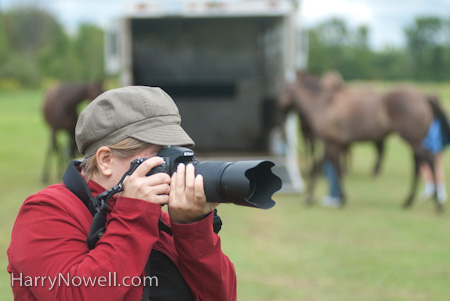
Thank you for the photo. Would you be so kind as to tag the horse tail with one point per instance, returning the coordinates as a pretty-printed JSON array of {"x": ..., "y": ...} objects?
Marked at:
[
  {"x": 439, "y": 113},
  {"x": 434, "y": 102}
]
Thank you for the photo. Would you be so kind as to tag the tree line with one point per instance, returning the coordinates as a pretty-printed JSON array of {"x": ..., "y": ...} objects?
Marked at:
[
  {"x": 425, "y": 57},
  {"x": 35, "y": 47}
]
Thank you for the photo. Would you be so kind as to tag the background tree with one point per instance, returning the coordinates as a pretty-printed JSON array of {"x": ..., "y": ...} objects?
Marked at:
[
  {"x": 426, "y": 39},
  {"x": 4, "y": 42},
  {"x": 333, "y": 45},
  {"x": 327, "y": 44},
  {"x": 35, "y": 46},
  {"x": 26, "y": 30},
  {"x": 426, "y": 55},
  {"x": 88, "y": 48},
  {"x": 389, "y": 64},
  {"x": 358, "y": 58}
]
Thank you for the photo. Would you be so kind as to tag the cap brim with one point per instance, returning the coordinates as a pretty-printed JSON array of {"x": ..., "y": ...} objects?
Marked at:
[{"x": 165, "y": 135}]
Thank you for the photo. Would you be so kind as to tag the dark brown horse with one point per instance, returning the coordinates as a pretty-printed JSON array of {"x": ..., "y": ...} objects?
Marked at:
[
  {"x": 60, "y": 113},
  {"x": 340, "y": 118}
]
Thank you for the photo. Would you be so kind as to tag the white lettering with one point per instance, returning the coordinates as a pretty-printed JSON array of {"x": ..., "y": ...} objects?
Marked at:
[
  {"x": 125, "y": 283},
  {"x": 102, "y": 281},
  {"x": 13, "y": 279},
  {"x": 150, "y": 280},
  {"x": 90, "y": 281},
  {"x": 138, "y": 283},
  {"x": 52, "y": 283},
  {"x": 42, "y": 280},
  {"x": 65, "y": 280},
  {"x": 76, "y": 281},
  {"x": 28, "y": 281}
]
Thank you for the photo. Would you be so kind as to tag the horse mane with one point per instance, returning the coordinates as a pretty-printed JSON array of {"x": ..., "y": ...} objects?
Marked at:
[{"x": 332, "y": 81}]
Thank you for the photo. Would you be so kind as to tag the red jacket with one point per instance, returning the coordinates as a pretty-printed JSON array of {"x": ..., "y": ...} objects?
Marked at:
[{"x": 48, "y": 250}]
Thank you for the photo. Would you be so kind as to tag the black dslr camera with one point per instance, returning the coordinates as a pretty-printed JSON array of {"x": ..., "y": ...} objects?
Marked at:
[{"x": 245, "y": 183}]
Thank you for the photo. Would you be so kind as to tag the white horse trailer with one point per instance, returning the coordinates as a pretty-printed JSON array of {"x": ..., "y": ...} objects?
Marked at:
[{"x": 224, "y": 63}]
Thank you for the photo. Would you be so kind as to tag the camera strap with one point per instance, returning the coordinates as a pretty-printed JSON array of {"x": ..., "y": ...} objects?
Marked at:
[
  {"x": 75, "y": 182},
  {"x": 98, "y": 206}
]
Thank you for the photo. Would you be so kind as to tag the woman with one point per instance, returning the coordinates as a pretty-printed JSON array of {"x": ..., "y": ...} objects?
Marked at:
[{"x": 48, "y": 255}]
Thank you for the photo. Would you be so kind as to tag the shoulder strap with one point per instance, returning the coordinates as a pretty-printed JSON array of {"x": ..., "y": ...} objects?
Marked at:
[{"x": 75, "y": 182}]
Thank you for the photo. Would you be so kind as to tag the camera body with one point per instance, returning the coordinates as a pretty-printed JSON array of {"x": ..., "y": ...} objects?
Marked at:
[
  {"x": 246, "y": 183},
  {"x": 172, "y": 157}
]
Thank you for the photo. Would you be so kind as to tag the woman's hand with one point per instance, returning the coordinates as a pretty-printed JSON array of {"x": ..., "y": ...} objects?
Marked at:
[
  {"x": 154, "y": 188},
  {"x": 187, "y": 200}
]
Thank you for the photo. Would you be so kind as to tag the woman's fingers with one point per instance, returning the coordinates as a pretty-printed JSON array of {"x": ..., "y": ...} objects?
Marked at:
[
  {"x": 147, "y": 165},
  {"x": 187, "y": 201},
  {"x": 199, "y": 193},
  {"x": 180, "y": 177},
  {"x": 154, "y": 188},
  {"x": 190, "y": 180}
]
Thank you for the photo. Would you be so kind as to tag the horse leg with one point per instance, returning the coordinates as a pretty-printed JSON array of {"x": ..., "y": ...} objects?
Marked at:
[
  {"x": 380, "y": 151},
  {"x": 72, "y": 147},
  {"x": 71, "y": 131},
  {"x": 422, "y": 156},
  {"x": 430, "y": 160},
  {"x": 334, "y": 154},
  {"x": 63, "y": 153},
  {"x": 52, "y": 147},
  {"x": 409, "y": 200},
  {"x": 312, "y": 179},
  {"x": 345, "y": 159},
  {"x": 45, "y": 170}
]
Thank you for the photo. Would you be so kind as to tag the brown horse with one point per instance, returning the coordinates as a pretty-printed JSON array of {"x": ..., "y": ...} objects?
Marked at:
[
  {"x": 342, "y": 117},
  {"x": 60, "y": 113},
  {"x": 330, "y": 83}
]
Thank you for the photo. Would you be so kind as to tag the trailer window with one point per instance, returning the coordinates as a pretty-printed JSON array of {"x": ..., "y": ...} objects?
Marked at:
[{"x": 196, "y": 57}]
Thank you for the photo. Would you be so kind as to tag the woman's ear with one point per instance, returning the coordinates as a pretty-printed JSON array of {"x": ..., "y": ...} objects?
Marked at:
[{"x": 104, "y": 161}]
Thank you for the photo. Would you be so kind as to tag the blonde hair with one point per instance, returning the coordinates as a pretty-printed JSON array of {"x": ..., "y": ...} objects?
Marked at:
[{"x": 122, "y": 149}]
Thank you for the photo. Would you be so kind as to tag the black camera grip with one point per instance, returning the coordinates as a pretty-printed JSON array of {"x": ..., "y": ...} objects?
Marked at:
[{"x": 160, "y": 168}]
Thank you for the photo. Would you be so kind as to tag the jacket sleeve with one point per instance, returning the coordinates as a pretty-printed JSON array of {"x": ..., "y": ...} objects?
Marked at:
[
  {"x": 49, "y": 242},
  {"x": 209, "y": 273}
]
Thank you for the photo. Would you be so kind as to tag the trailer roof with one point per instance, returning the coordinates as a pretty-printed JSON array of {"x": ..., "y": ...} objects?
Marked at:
[{"x": 202, "y": 8}]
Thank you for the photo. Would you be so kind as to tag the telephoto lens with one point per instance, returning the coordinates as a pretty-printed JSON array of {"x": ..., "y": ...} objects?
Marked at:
[{"x": 246, "y": 183}]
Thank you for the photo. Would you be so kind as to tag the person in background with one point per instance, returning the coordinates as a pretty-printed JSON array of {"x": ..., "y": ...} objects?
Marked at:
[
  {"x": 334, "y": 198},
  {"x": 438, "y": 137}
]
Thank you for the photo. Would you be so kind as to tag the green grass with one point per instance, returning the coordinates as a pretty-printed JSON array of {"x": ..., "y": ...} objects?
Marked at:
[{"x": 370, "y": 250}]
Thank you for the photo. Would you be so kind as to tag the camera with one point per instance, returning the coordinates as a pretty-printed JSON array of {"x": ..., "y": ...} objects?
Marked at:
[{"x": 246, "y": 183}]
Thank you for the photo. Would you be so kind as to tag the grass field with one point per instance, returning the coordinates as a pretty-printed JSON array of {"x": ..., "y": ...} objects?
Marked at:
[{"x": 370, "y": 250}]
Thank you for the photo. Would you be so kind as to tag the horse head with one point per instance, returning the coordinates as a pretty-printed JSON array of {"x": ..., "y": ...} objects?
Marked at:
[
  {"x": 94, "y": 89},
  {"x": 308, "y": 81}
]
